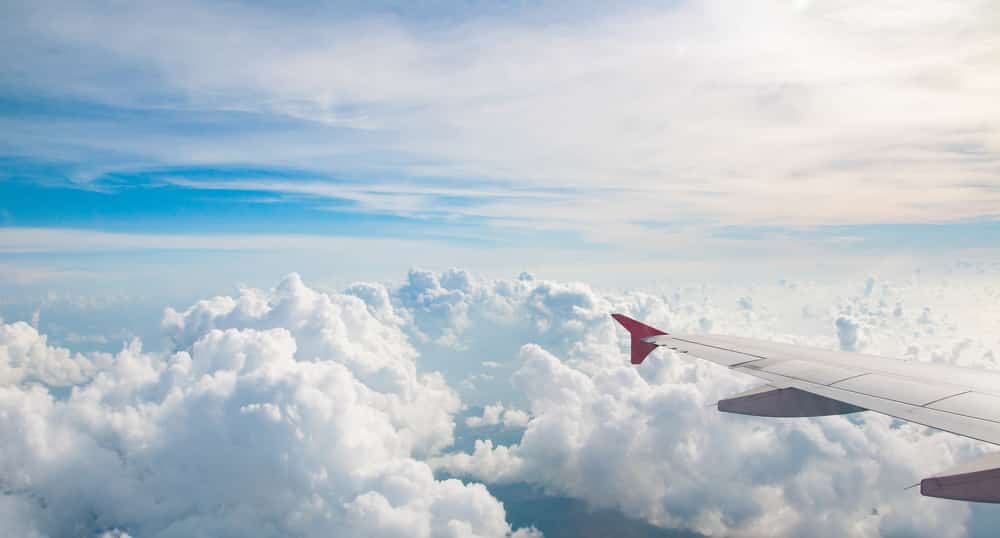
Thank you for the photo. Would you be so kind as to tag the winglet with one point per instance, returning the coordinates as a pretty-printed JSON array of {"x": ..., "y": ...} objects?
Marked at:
[{"x": 639, "y": 331}]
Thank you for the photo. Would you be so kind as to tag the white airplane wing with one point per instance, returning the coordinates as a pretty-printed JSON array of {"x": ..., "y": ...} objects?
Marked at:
[{"x": 806, "y": 382}]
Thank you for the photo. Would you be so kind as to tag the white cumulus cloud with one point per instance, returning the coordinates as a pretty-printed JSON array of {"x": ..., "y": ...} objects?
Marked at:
[
  {"x": 495, "y": 414},
  {"x": 648, "y": 441},
  {"x": 282, "y": 412},
  {"x": 298, "y": 411},
  {"x": 25, "y": 355}
]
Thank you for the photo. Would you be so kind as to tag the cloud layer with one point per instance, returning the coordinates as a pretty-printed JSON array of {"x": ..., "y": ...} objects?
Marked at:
[
  {"x": 286, "y": 412},
  {"x": 648, "y": 441},
  {"x": 298, "y": 411}
]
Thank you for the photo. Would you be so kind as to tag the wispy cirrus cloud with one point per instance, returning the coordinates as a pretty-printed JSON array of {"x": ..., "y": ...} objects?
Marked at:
[{"x": 783, "y": 114}]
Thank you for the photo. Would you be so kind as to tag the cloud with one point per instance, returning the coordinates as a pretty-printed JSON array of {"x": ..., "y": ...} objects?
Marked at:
[
  {"x": 491, "y": 416},
  {"x": 648, "y": 442},
  {"x": 26, "y": 356},
  {"x": 495, "y": 414},
  {"x": 26, "y": 275},
  {"x": 515, "y": 418},
  {"x": 847, "y": 333},
  {"x": 284, "y": 411},
  {"x": 344, "y": 405},
  {"x": 655, "y": 451},
  {"x": 631, "y": 129}
]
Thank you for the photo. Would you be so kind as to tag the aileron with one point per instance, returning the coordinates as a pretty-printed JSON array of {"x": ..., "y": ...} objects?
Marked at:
[
  {"x": 899, "y": 389},
  {"x": 971, "y": 404}
]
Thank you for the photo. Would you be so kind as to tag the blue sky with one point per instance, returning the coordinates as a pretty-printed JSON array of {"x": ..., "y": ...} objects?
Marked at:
[
  {"x": 522, "y": 124},
  {"x": 653, "y": 142}
]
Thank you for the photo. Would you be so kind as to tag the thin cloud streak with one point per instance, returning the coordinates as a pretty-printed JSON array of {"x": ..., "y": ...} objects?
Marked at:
[{"x": 794, "y": 114}]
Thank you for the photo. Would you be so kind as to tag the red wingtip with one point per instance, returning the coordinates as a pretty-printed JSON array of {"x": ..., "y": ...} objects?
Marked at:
[{"x": 638, "y": 330}]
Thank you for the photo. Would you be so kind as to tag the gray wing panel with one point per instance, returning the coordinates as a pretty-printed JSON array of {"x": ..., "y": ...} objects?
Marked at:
[
  {"x": 971, "y": 404},
  {"x": 972, "y": 427},
  {"x": 982, "y": 381},
  {"x": 955, "y": 400},
  {"x": 900, "y": 389},
  {"x": 815, "y": 372},
  {"x": 718, "y": 355}
]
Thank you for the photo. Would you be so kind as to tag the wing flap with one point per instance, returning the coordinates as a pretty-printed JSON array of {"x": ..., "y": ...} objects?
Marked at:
[
  {"x": 971, "y": 404},
  {"x": 814, "y": 372},
  {"x": 899, "y": 389}
]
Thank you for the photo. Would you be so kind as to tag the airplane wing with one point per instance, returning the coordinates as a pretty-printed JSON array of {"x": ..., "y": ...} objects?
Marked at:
[{"x": 804, "y": 382}]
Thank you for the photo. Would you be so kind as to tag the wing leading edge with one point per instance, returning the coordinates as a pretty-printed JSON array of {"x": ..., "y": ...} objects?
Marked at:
[{"x": 803, "y": 381}]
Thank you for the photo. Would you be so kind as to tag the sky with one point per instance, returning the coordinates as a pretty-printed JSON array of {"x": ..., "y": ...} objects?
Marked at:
[{"x": 404, "y": 224}]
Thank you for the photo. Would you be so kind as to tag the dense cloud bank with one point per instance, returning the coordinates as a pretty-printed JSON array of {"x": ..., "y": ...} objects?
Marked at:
[
  {"x": 304, "y": 412},
  {"x": 283, "y": 412},
  {"x": 647, "y": 441}
]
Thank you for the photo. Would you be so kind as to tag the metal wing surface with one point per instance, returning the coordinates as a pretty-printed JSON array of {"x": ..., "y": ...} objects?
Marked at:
[{"x": 804, "y": 381}]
